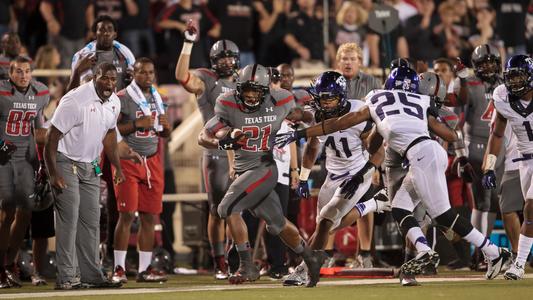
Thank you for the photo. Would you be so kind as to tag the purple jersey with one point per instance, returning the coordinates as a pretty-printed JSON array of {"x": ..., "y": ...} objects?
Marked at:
[
  {"x": 18, "y": 112},
  {"x": 261, "y": 126}
]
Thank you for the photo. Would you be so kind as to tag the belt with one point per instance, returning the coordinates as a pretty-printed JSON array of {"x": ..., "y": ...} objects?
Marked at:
[
  {"x": 335, "y": 176},
  {"x": 414, "y": 142},
  {"x": 525, "y": 156}
]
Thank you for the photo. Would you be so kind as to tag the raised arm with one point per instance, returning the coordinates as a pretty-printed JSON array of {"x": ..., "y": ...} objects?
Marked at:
[{"x": 190, "y": 82}]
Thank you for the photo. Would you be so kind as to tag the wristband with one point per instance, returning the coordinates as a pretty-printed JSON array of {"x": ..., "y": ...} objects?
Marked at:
[
  {"x": 184, "y": 82},
  {"x": 187, "y": 48},
  {"x": 490, "y": 162},
  {"x": 304, "y": 173},
  {"x": 461, "y": 152}
]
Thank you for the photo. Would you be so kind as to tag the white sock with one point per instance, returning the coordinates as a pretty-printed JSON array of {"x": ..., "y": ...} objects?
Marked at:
[
  {"x": 416, "y": 236},
  {"x": 145, "y": 258},
  {"x": 524, "y": 246},
  {"x": 489, "y": 249},
  {"x": 366, "y": 207},
  {"x": 120, "y": 258},
  {"x": 475, "y": 219}
]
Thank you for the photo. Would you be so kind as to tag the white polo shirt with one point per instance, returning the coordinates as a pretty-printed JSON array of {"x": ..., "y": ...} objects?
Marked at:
[{"x": 84, "y": 121}]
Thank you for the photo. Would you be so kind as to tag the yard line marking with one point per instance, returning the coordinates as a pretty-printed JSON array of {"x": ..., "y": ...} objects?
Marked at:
[{"x": 200, "y": 288}]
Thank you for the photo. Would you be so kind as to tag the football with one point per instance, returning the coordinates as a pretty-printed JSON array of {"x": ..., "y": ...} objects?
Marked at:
[{"x": 223, "y": 132}]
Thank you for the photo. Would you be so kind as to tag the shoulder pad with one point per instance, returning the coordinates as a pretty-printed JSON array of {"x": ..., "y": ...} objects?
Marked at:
[
  {"x": 281, "y": 97},
  {"x": 207, "y": 72},
  {"x": 500, "y": 94},
  {"x": 228, "y": 99}
]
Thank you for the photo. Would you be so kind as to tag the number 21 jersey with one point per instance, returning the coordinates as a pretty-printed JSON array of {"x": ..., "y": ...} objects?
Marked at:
[{"x": 400, "y": 116}]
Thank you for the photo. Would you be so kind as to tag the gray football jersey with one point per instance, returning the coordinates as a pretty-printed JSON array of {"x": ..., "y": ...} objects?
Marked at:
[
  {"x": 17, "y": 113},
  {"x": 479, "y": 110},
  {"x": 261, "y": 126},
  {"x": 143, "y": 142},
  {"x": 214, "y": 87},
  {"x": 117, "y": 60}
]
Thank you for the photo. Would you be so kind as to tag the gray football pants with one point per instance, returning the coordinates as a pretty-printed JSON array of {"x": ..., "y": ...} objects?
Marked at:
[{"x": 77, "y": 222}]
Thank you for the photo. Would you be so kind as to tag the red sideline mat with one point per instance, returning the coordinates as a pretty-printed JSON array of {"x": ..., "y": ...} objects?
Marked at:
[{"x": 342, "y": 272}]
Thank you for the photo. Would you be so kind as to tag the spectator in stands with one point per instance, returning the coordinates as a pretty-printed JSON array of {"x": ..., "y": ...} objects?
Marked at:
[
  {"x": 381, "y": 53},
  {"x": 237, "y": 19},
  {"x": 305, "y": 37},
  {"x": 273, "y": 16},
  {"x": 175, "y": 18},
  {"x": 485, "y": 32},
  {"x": 445, "y": 30},
  {"x": 8, "y": 20},
  {"x": 68, "y": 23},
  {"x": 423, "y": 43},
  {"x": 10, "y": 45},
  {"x": 511, "y": 24},
  {"x": 135, "y": 28},
  {"x": 47, "y": 58},
  {"x": 351, "y": 19}
]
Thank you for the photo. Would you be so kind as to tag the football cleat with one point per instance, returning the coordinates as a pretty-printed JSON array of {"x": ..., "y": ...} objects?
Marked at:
[
  {"x": 246, "y": 272},
  {"x": 13, "y": 276},
  {"x": 151, "y": 275},
  {"x": 38, "y": 280},
  {"x": 408, "y": 280},
  {"x": 314, "y": 263},
  {"x": 417, "y": 264},
  {"x": 515, "y": 272},
  {"x": 494, "y": 266},
  {"x": 298, "y": 277},
  {"x": 119, "y": 275}
]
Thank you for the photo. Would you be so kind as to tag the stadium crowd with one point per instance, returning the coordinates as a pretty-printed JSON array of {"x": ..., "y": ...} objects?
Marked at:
[{"x": 101, "y": 133}]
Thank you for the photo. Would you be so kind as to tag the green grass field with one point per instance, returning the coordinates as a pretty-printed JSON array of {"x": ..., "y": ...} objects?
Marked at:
[{"x": 458, "y": 285}]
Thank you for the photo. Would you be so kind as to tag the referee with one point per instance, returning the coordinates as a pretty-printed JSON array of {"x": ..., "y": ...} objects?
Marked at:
[{"x": 82, "y": 125}]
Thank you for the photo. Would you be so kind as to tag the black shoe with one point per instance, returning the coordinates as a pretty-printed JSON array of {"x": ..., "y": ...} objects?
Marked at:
[
  {"x": 314, "y": 263},
  {"x": 107, "y": 284},
  {"x": 421, "y": 261},
  {"x": 246, "y": 272},
  {"x": 13, "y": 276}
]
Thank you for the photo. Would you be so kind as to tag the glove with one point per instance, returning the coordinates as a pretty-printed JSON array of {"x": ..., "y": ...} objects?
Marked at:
[
  {"x": 303, "y": 189},
  {"x": 284, "y": 139},
  {"x": 460, "y": 69},
  {"x": 6, "y": 150},
  {"x": 464, "y": 169},
  {"x": 383, "y": 203},
  {"x": 349, "y": 186},
  {"x": 489, "y": 180},
  {"x": 191, "y": 33},
  {"x": 229, "y": 143}
]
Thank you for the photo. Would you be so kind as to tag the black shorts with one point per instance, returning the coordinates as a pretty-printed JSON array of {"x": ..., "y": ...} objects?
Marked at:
[{"x": 42, "y": 223}]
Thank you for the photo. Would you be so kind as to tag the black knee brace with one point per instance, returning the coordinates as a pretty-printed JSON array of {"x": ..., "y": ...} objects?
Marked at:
[
  {"x": 405, "y": 219},
  {"x": 455, "y": 222}
]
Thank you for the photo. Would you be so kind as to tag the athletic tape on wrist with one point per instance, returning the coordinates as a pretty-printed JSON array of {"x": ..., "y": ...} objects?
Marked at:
[
  {"x": 304, "y": 173},
  {"x": 187, "y": 48},
  {"x": 490, "y": 162}
]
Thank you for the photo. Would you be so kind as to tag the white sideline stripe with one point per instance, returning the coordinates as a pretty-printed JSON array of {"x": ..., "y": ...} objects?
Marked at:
[{"x": 125, "y": 291}]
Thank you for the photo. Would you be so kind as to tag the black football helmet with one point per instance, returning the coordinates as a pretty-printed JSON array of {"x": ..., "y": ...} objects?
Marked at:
[
  {"x": 222, "y": 49},
  {"x": 327, "y": 87},
  {"x": 253, "y": 77},
  {"x": 486, "y": 61},
  {"x": 518, "y": 75}
]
